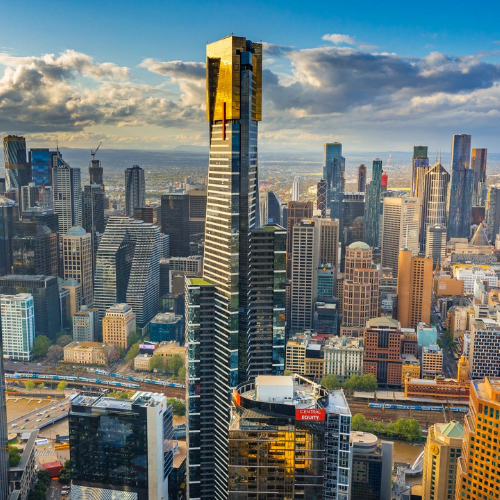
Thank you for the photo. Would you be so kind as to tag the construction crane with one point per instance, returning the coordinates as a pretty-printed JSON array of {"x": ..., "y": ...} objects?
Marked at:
[
  {"x": 94, "y": 151},
  {"x": 388, "y": 161}
]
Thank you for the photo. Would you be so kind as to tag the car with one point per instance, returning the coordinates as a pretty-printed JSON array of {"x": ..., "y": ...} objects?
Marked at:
[
  {"x": 46, "y": 411},
  {"x": 47, "y": 416},
  {"x": 26, "y": 419},
  {"x": 60, "y": 405},
  {"x": 53, "y": 408},
  {"x": 14, "y": 425},
  {"x": 23, "y": 427},
  {"x": 62, "y": 409},
  {"x": 38, "y": 414},
  {"x": 39, "y": 420}
]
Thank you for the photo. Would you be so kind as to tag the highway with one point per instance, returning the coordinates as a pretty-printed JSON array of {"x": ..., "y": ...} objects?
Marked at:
[{"x": 47, "y": 414}]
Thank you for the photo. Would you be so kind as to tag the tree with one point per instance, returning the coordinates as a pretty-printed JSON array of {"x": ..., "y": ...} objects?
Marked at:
[
  {"x": 174, "y": 364},
  {"x": 330, "y": 381},
  {"x": 286, "y": 373},
  {"x": 439, "y": 342},
  {"x": 358, "y": 422},
  {"x": 133, "y": 338},
  {"x": 43, "y": 476},
  {"x": 65, "y": 476},
  {"x": 179, "y": 407},
  {"x": 29, "y": 384},
  {"x": 14, "y": 456},
  {"x": 156, "y": 363},
  {"x": 133, "y": 352},
  {"x": 62, "y": 385},
  {"x": 110, "y": 354},
  {"x": 41, "y": 346},
  {"x": 368, "y": 382},
  {"x": 55, "y": 353},
  {"x": 41, "y": 386},
  {"x": 181, "y": 375},
  {"x": 121, "y": 352},
  {"x": 64, "y": 340}
]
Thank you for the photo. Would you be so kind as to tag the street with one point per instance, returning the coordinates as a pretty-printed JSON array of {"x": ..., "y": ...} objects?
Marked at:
[{"x": 449, "y": 362}]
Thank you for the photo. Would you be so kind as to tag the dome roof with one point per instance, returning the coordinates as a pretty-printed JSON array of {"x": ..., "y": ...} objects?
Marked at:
[
  {"x": 359, "y": 244},
  {"x": 76, "y": 231}
]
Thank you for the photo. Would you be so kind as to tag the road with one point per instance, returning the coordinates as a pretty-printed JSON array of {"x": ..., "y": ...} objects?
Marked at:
[
  {"x": 449, "y": 362},
  {"x": 49, "y": 413}
]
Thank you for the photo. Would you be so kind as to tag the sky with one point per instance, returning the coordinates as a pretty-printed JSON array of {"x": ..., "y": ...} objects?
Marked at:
[{"x": 376, "y": 76}]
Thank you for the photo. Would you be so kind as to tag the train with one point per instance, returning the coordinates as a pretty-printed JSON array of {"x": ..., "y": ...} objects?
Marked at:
[
  {"x": 417, "y": 408},
  {"x": 114, "y": 383}
]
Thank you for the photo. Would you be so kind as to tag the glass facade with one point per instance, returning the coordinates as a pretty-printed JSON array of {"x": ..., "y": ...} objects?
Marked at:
[
  {"x": 372, "y": 206},
  {"x": 135, "y": 189},
  {"x": 273, "y": 208},
  {"x": 6, "y": 234},
  {"x": 42, "y": 161},
  {"x": 175, "y": 222},
  {"x": 4, "y": 457},
  {"x": 17, "y": 169},
  {"x": 334, "y": 174}
]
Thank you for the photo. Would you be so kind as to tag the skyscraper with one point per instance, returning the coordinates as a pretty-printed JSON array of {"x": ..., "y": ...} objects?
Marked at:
[
  {"x": 460, "y": 188},
  {"x": 493, "y": 217},
  {"x": 321, "y": 197},
  {"x": 6, "y": 234},
  {"x": 17, "y": 169},
  {"x": 42, "y": 162},
  {"x": 67, "y": 194},
  {"x": 334, "y": 173},
  {"x": 234, "y": 108},
  {"x": 295, "y": 189},
  {"x": 175, "y": 222},
  {"x": 273, "y": 209},
  {"x": 478, "y": 164},
  {"x": 135, "y": 189},
  {"x": 419, "y": 159},
  {"x": 128, "y": 267},
  {"x": 96, "y": 172},
  {"x": 4, "y": 455},
  {"x": 372, "y": 205},
  {"x": 400, "y": 229},
  {"x": 120, "y": 448},
  {"x": 361, "y": 178},
  {"x": 352, "y": 218},
  {"x": 197, "y": 210},
  {"x": 435, "y": 244},
  {"x": 93, "y": 212},
  {"x": 297, "y": 210}
]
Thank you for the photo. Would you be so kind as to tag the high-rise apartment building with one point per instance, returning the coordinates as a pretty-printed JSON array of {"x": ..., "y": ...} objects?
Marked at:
[
  {"x": 45, "y": 292},
  {"x": 461, "y": 187},
  {"x": 128, "y": 267},
  {"x": 441, "y": 456},
  {"x": 415, "y": 281},
  {"x": 372, "y": 205},
  {"x": 334, "y": 174},
  {"x": 484, "y": 357},
  {"x": 400, "y": 229},
  {"x": 276, "y": 424},
  {"x": 321, "y": 203},
  {"x": 361, "y": 296},
  {"x": 121, "y": 448},
  {"x": 4, "y": 455},
  {"x": 86, "y": 324},
  {"x": 493, "y": 214},
  {"x": 117, "y": 324},
  {"x": 77, "y": 261},
  {"x": 41, "y": 161},
  {"x": 175, "y": 222},
  {"x": 361, "y": 178},
  {"x": 67, "y": 194},
  {"x": 197, "y": 210},
  {"x": 478, "y": 164},
  {"x": 17, "y": 169},
  {"x": 234, "y": 108},
  {"x": 419, "y": 160},
  {"x": 272, "y": 213},
  {"x": 435, "y": 244},
  {"x": 18, "y": 326},
  {"x": 297, "y": 210},
  {"x": 6, "y": 235},
  {"x": 478, "y": 468},
  {"x": 135, "y": 189}
]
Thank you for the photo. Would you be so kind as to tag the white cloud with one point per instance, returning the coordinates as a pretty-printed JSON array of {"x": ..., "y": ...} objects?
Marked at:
[{"x": 338, "y": 39}]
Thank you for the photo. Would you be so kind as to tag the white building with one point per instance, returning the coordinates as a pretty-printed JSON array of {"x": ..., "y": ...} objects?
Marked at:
[
  {"x": 432, "y": 361},
  {"x": 18, "y": 325},
  {"x": 344, "y": 357},
  {"x": 468, "y": 273}
]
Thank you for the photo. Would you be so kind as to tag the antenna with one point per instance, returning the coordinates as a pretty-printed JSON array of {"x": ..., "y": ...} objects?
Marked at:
[
  {"x": 437, "y": 151},
  {"x": 439, "y": 156}
]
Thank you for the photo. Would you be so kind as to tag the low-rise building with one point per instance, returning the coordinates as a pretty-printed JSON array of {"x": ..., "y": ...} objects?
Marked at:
[
  {"x": 426, "y": 335},
  {"x": 469, "y": 273},
  {"x": 168, "y": 349},
  {"x": 141, "y": 362},
  {"x": 86, "y": 353},
  {"x": 432, "y": 361},
  {"x": 343, "y": 357},
  {"x": 410, "y": 367},
  {"x": 167, "y": 327},
  {"x": 457, "y": 320}
]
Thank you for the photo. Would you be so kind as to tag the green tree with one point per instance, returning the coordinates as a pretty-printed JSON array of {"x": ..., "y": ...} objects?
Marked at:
[
  {"x": 40, "y": 346},
  {"x": 181, "y": 375},
  {"x": 331, "y": 381},
  {"x": 29, "y": 384},
  {"x": 179, "y": 407},
  {"x": 64, "y": 340},
  {"x": 14, "y": 456},
  {"x": 133, "y": 338},
  {"x": 44, "y": 477},
  {"x": 65, "y": 476},
  {"x": 286, "y": 373},
  {"x": 156, "y": 363},
  {"x": 133, "y": 352},
  {"x": 62, "y": 385},
  {"x": 368, "y": 383},
  {"x": 121, "y": 352},
  {"x": 41, "y": 386},
  {"x": 174, "y": 364},
  {"x": 358, "y": 423},
  {"x": 439, "y": 342}
]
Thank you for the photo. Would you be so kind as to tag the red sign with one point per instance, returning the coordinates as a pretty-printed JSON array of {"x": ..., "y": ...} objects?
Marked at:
[{"x": 311, "y": 414}]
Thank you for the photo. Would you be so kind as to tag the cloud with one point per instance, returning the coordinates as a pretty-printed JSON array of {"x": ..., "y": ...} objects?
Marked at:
[
  {"x": 176, "y": 69},
  {"x": 338, "y": 39}
]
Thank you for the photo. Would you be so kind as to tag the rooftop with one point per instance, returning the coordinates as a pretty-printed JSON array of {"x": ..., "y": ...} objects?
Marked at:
[
  {"x": 383, "y": 322},
  {"x": 452, "y": 429},
  {"x": 199, "y": 282},
  {"x": 166, "y": 318},
  {"x": 359, "y": 245}
]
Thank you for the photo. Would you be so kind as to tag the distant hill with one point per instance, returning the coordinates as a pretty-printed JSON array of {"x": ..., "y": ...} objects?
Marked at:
[{"x": 186, "y": 148}]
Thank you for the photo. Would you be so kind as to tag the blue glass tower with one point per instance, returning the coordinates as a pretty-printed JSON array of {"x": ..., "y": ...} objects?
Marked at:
[
  {"x": 17, "y": 169},
  {"x": 460, "y": 187},
  {"x": 334, "y": 173},
  {"x": 372, "y": 205},
  {"x": 42, "y": 161}
]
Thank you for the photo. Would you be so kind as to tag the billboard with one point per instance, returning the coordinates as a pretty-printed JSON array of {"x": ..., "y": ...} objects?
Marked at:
[
  {"x": 310, "y": 414},
  {"x": 148, "y": 347}
]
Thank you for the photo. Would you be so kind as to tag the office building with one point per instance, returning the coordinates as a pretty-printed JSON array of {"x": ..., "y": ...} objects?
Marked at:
[
  {"x": 74, "y": 298},
  {"x": 128, "y": 267},
  {"x": 41, "y": 161},
  {"x": 117, "y": 324},
  {"x": 478, "y": 164},
  {"x": 77, "y": 261},
  {"x": 371, "y": 474},
  {"x": 432, "y": 190},
  {"x": 343, "y": 357},
  {"x": 17, "y": 169},
  {"x": 67, "y": 195},
  {"x": 432, "y": 361},
  {"x": 44, "y": 216},
  {"x": 86, "y": 324},
  {"x": 36, "y": 196},
  {"x": 93, "y": 212},
  {"x": 435, "y": 244},
  {"x": 352, "y": 220},
  {"x": 321, "y": 203},
  {"x": 484, "y": 348},
  {"x": 6, "y": 234},
  {"x": 361, "y": 295},
  {"x": 268, "y": 417},
  {"x": 174, "y": 269},
  {"x": 45, "y": 292},
  {"x": 441, "y": 455},
  {"x": 167, "y": 327},
  {"x": 175, "y": 222},
  {"x": 426, "y": 335},
  {"x": 400, "y": 229},
  {"x": 478, "y": 467},
  {"x": 419, "y": 160},
  {"x": 461, "y": 187},
  {"x": 87, "y": 353},
  {"x": 272, "y": 213},
  {"x": 4, "y": 455},
  {"x": 120, "y": 448},
  {"x": 296, "y": 211},
  {"x": 135, "y": 189},
  {"x": 197, "y": 210},
  {"x": 361, "y": 178},
  {"x": 372, "y": 206},
  {"x": 18, "y": 326},
  {"x": 469, "y": 274},
  {"x": 327, "y": 317},
  {"x": 334, "y": 174},
  {"x": 415, "y": 280},
  {"x": 493, "y": 214},
  {"x": 234, "y": 108},
  {"x": 326, "y": 282},
  {"x": 295, "y": 189}
]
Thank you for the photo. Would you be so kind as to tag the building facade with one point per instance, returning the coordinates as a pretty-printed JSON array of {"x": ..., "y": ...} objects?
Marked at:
[
  {"x": 175, "y": 222},
  {"x": 432, "y": 361},
  {"x": 17, "y": 169},
  {"x": 343, "y": 357},
  {"x": 372, "y": 205},
  {"x": 296, "y": 211},
  {"x": 478, "y": 165},
  {"x": 118, "y": 323},
  {"x": 484, "y": 349},
  {"x": 334, "y": 174},
  {"x": 135, "y": 189},
  {"x": 86, "y": 353},
  {"x": 6, "y": 235},
  {"x": 86, "y": 324}
]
